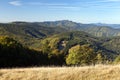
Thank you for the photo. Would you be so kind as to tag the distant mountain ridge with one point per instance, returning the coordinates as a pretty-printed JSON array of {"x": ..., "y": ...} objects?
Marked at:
[
  {"x": 41, "y": 29},
  {"x": 70, "y": 25},
  {"x": 94, "y": 29},
  {"x": 117, "y": 26}
]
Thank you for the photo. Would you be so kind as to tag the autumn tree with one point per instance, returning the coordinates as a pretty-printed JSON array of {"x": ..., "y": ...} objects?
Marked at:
[{"x": 80, "y": 55}]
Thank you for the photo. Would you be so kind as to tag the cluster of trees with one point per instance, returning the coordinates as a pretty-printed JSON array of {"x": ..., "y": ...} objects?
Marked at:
[
  {"x": 105, "y": 50},
  {"x": 78, "y": 48},
  {"x": 13, "y": 54},
  {"x": 83, "y": 55}
]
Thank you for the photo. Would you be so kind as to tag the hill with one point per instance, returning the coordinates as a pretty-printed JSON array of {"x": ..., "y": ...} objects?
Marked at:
[
  {"x": 113, "y": 44},
  {"x": 63, "y": 43},
  {"x": 94, "y": 29},
  {"x": 26, "y": 33},
  {"x": 69, "y": 48},
  {"x": 13, "y": 54},
  {"x": 43, "y": 29},
  {"x": 117, "y": 26},
  {"x": 103, "y": 31}
]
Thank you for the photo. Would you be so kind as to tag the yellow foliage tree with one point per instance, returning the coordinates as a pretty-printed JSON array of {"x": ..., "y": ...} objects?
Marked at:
[{"x": 80, "y": 55}]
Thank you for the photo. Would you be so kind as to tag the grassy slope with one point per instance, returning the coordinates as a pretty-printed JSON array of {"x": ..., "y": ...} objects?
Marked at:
[{"x": 98, "y": 72}]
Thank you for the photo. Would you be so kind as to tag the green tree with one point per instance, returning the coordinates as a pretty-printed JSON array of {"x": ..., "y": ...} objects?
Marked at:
[{"x": 80, "y": 55}]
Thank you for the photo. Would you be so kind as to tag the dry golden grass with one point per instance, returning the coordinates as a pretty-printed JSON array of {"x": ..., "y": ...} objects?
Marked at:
[{"x": 98, "y": 72}]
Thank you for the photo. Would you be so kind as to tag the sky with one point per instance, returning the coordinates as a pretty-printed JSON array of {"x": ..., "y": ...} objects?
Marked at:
[{"x": 84, "y": 11}]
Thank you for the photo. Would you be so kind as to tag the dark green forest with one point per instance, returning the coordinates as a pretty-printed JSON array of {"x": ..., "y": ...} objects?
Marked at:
[{"x": 60, "y": 43}]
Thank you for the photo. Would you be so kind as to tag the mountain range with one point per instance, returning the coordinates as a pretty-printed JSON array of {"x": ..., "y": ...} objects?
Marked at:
[
  {"x": 117, "y": 26},
  {"x": 29, "y": 33},
  {"x": 58, "y": 42},
  {"x": 96, "y": 29}
]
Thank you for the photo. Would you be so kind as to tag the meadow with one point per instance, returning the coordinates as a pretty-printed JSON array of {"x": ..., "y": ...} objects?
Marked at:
[{"x": 98, "y": 72}]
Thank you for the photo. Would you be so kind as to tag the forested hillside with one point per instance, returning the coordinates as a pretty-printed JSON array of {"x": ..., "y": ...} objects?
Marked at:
[
  {"x": 63, "y": 43},
  {"x": 27, "y": 33},
  {"x": 60, "y": 43},
  {"x": 13, "y": 54}
]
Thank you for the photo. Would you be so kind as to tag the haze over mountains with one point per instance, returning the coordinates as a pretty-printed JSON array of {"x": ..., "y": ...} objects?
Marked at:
[{"x": 117, "y": 26}]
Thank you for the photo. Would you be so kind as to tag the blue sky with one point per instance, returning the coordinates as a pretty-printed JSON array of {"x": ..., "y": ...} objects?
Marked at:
[{"x": 84, "y": 11}]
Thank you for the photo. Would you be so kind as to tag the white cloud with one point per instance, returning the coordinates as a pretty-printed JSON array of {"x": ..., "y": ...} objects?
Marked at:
[
  {"x": 15, "y": 3},
  {"x": 55, "y": 5},
  {"x": 48, "y": 4}
]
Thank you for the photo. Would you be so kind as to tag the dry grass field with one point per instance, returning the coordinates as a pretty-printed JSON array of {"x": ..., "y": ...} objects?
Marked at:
[{"x": 98, "y": 72}]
